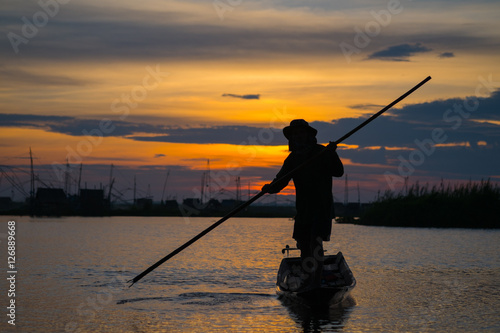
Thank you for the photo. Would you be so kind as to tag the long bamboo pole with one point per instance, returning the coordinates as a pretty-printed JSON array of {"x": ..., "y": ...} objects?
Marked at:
[{"x": 261, "y": 193}]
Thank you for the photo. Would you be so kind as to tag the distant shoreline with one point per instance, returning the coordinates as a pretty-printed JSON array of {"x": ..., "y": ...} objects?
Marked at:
[
  {"x": 272, "y": 212},
  {"x": 252, "y": 211},
  {"x": 174, "y": 209},
  {"x": 472, "y": 205}
]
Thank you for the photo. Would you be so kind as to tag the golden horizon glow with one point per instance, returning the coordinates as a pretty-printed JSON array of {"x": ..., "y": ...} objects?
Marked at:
[{"x": 177, "y": 76}]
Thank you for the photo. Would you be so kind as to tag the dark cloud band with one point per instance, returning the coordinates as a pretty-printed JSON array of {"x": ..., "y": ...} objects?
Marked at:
[
  {"x": 400, "y": 52},
  {"x": 255, "y": 96},
  {"x": 401, "y": 129}
]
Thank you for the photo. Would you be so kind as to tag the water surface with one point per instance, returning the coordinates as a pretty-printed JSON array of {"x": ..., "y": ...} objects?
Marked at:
[{"x": 72, "y": 272}]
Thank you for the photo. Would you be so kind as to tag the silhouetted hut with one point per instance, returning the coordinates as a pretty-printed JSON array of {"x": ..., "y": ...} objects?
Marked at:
[
  {"x": 92, "y": 202},
  {"x": 51, "y": 202},
  {"x": 5, "y": 203}
]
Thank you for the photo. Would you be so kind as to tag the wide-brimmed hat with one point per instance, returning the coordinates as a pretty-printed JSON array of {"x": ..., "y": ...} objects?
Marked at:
[{"x": 298, "y": 124}]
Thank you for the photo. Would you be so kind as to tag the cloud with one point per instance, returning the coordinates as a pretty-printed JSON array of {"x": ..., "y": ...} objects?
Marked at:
[
  {"x": 432, "y": 113},
  {"x": 85, "y": 32},
  {"x": 186, "y": 30},
  {"x": 76, "y": 126},
  {"x": 399, "y": 52},
  {"x": 447, "y": 55},
  {"x": 397, "y": 128},
  {"x": 159, "y": 155},
  {"x": 31, "y": 120},
  {"x": 401, "y": 127},
  {"x": 462, "y": 123},
  {"x": 256, "y": 96},
  {"x": 79, "y": 127},
  {"x": 369, "y": 107},
  {"x": 229, "y": 134},
  {"x": 236, "y": 135},
  {"x": 13, "y": 76}
]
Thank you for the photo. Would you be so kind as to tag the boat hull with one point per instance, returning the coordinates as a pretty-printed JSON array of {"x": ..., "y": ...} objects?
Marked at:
[{"x": 336, "y": 285}]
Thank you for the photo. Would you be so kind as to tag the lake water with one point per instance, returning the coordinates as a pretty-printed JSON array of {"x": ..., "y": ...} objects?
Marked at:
[{"x": 71, "y": 276}]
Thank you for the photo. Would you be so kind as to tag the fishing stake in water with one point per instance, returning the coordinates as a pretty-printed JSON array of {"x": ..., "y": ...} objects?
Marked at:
[{"x": 261, "y": 193}]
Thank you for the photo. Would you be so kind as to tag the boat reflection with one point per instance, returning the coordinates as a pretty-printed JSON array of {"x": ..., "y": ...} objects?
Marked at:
[{"x": 320, "y": 318}]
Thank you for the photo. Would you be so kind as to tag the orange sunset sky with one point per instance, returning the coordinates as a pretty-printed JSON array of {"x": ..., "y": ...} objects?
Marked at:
[{"x": 157, "y": 86}]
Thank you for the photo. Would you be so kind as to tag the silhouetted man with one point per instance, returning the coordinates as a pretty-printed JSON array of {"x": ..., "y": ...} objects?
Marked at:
[{"x": 313, "y": 189}]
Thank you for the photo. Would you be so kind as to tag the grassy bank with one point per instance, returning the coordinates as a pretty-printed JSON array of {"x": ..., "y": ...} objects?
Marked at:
[{"x": 472, "y": 205}]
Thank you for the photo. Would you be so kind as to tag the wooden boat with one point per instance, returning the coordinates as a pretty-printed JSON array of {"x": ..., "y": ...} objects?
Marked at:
[{"x": 337, "y": 281}]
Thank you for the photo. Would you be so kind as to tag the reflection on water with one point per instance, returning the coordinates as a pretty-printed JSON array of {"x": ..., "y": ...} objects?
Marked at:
[
  {"x": 72, "y": 275},
  {"x": 320, "y": 319}
]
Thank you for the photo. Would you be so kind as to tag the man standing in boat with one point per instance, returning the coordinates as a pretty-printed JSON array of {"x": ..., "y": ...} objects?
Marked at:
[{"x": 313, "y": 190}]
